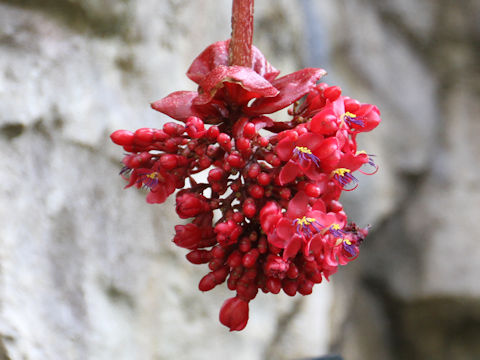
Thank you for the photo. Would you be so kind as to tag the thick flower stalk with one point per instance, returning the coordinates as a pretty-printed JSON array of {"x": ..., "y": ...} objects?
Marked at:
[{"x": 262, "y": 196}]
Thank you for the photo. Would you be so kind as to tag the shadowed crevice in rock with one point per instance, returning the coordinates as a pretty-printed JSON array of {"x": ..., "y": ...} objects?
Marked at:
[
  {"x": 283, "y": 324},
  {"x": 437, "y": 327},
  {"x": 3, "y": 351},
  {"x": 77, "y": 16},
  {"x": 12, "y": 130}
]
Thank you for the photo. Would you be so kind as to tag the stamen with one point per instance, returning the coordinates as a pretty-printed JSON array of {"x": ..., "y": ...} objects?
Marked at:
[
  {"x": 335, "y": 230},
  {"x": 150, "y": 180},
  {"x": 305, "y": 225},
  {"x": 350, "y": 119},
  {"x": 349, "y": 247},
  {"x": 345, "y": 178},
  {"x": 369, "y": 168},
  {"x": 306, "y": 154}
]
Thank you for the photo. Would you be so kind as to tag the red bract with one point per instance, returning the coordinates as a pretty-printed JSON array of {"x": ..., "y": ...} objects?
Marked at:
[{"x": 278, "y": 223}]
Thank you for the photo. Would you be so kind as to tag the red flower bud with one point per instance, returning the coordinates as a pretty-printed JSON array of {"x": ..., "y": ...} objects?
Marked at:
[
  {"x": 234, "y": 314},
  {"x": 122, "y": 137},
  {"x": 190, "y": 205}
]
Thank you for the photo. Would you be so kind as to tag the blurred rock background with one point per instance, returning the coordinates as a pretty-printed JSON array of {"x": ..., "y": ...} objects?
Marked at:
[{"x": 88, "y": 271}]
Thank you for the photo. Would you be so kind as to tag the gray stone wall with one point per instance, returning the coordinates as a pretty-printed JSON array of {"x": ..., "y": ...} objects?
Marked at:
[{"x": 88, "y": 271}]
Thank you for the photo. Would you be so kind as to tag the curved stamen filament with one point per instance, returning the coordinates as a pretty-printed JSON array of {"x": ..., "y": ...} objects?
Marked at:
[
  {"x": 350, "y": 118},
  {"x": 307, "y": 226},
  {"x": 344, "y": 178},
  {"x": 306, "y": 154}
]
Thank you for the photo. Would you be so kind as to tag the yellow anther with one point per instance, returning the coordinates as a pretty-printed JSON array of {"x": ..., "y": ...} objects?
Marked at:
[
  {"x": 303, "y": 149},
  {"x": 361, "y": 152},
  {"x": 153, "y": 175},
  {"x": 304, "y": 221},
  {"x": 340, "y": 171},
  {"x": 346, "y": 241},
  {"x": 349, "y": 114},
  {"x": 335, "y": 227}
]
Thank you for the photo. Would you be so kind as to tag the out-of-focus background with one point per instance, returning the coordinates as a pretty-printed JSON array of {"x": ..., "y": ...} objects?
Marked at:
[{"x": 88, "y": 270}]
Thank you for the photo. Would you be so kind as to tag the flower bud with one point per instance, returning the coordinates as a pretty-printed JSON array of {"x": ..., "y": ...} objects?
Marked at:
[
  {"x": 122, "y": 137},
  {"x": 234, "y": 314}
]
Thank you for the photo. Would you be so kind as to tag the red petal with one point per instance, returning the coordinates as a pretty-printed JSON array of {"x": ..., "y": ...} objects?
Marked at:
[
  {"x": 292, "y": 87},
  {"x": 284, "y": 232},
  {"x": 284, "y": 148},
  {"x": 178, "y": 105},
  {"x": 325, "y": 122},
  {"x": 292, "y": 247},
  {"x": 288, "y": 173},
  {"x": 255, "y": 85},
  {"x": 217, "y": 54},
  {"x": 297, "y": 207}
]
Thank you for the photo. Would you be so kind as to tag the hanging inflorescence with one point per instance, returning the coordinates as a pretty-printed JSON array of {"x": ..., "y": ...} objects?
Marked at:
[{"x": 273, "y": 186}]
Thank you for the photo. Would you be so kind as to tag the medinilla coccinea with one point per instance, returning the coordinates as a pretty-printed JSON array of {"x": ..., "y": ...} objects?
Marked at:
[{"x": 267, "y": 216}]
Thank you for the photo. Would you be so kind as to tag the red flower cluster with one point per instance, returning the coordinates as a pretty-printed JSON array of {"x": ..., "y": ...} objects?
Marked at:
[{"x": 273, "y": 186}]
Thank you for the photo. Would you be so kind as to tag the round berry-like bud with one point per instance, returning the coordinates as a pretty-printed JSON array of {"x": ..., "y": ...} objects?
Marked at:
[
  {"x": 249, "y": 130},
  {"x": 168, "y": 161},
  {"x": 262, "y": 245},
  {"x": 224, "y": 141},
  {"x": 274, "y": 285},
  {"x": 234, "y": 160},
  {"x": 305, "y": 287},
  {"x": 315, "y": 276},
  {"x": 264, "y": 179},
  {"x": 221, "y": 274},
  {"x": 312, "y": 190},
  {"x": 253, "y": 170},
  {"x": 292, "y": 272},
  {"x": 249, "y": 208},
  {"x": 238, "y": 217},
  {"x": 235, "y": 259},
  {"x": 351, "y": 105},
  {"x": 232, "y": 283},
  {"x": 143, "y": 136},
  {"x": 263, "y": 141},
  {"x": 213, "y": 132},
  {"x": 207, "y": 283},
  {"x": 242, "y": 144},
  {"x": 218, "y": 252},
  {"x": 285, "y": 193},
  {"x": 198, "y": 256},
  {"x": 290, "y": 287},
  {"x": 215, "y": 264},
  {"x": 173, "y": 129},
  {"x": 216, "y": 174},
  {"x": 332, "y": 92},
  {"x": 256, "y": 191},
  {"x": 273, "y": 159},
  {"x": 335, "y": 206},
  {"x": 244, "y": 244},
  {"x": 236, "y": 185},
  {"x": 122, "y": 137},
  {"x": 204, "y": 162}
]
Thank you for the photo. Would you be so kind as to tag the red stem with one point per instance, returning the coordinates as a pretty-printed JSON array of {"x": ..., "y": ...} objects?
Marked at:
[{"x": 240, "y": 51}]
